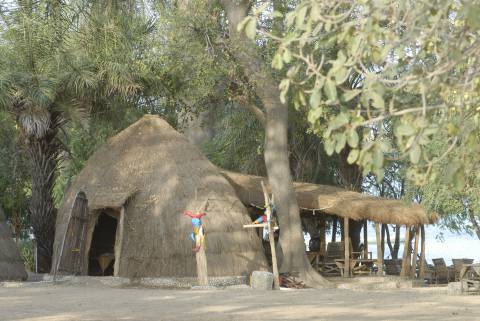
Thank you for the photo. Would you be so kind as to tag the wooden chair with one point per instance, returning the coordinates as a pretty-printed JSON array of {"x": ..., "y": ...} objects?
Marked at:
[
  {"x": 429, "y": 271},
  {"x": 393, "y": 266},
  {"x": 360, "y": 253},
  {"x": 335, "y": 250},
  {"x": 442, "y": 273},
  {"x": 458, "y": 265}
]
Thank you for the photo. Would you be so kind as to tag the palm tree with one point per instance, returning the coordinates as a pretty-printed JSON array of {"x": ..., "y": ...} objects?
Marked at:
[
  {"x": 56, "y": 60},
  {"x": 31, "y": 90}
]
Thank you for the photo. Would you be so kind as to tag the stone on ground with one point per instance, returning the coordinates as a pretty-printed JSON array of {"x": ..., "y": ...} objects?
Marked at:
[{"x": 261, "y": 280}]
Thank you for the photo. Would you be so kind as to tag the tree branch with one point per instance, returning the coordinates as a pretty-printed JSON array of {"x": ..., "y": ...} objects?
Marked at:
[
  {"x": 476, "y": 225},
  {"x": 253, "y": 108}
]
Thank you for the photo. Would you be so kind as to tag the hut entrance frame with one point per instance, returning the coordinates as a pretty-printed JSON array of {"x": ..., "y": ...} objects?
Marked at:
[
  {"x": 104, "y": 259},
  {"x": 101, "y": 252},
  {"x": 73, "y": 244},
  {"x": 74, "y": 255}
]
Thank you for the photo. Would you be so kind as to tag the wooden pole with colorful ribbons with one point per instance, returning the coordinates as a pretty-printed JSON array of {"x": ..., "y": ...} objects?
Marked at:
[
  {"x": 267, "y": 221},
  {"x": 198, "y": 237}
]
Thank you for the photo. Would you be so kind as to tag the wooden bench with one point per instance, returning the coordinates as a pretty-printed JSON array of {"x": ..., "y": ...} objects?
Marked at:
[
  {"x": 458, "y": 265},
  {"x": 470, "y": 278}
]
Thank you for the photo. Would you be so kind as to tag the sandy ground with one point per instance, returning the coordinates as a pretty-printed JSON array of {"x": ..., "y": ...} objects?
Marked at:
[{"x": 43, "y": 301}]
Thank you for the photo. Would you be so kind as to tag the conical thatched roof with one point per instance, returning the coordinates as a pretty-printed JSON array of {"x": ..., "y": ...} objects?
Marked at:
[
  {"x": 11, "y": 263},
  {"x": 154, "y": 172},
  {"x": 335, "y": 201}
]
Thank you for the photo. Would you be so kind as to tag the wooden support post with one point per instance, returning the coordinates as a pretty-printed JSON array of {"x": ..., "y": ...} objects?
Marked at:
[
  {"x": 365, "y": 240},
  {"x": 342, "y": 229},
  {"x": 323, "y": 236},
  {"x": 382, "y": 241},
  {"x": 202, "y": 273},
  {"x": 421, "y": 274},
  {"x": 334, "y": 229},
  {"x": 119, "y": 241},
  {"x": 406, "y": 254},
  {"x": 271, "y": 238},
  {"x": 200, "y": 255},
  {"x": 415, "y": 252},
  {"x": 379, "y": 249},
  {"x": 346, "y": 239}
]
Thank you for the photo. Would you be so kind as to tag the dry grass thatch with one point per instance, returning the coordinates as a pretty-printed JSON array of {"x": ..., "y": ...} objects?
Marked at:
[
  {"x": 11, "y": 263},
  {"x": 156, "y": 174},
  {"x": 336, "y": 201}
]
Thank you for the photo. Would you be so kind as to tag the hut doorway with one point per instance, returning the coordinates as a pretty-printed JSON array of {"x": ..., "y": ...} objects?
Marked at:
[
  {"x": 101, "y": 260},
  {"x": 72, "y": 252}
]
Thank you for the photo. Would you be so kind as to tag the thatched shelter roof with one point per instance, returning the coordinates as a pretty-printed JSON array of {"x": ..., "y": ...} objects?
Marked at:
[
  {"x": 155, "y": 174},
  {"x": 336, "y": 201},
  {"x": 11, "y": 263}
]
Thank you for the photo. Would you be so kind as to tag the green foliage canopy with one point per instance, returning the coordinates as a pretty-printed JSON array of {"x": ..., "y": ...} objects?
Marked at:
[{"x": 413, "y": 62}]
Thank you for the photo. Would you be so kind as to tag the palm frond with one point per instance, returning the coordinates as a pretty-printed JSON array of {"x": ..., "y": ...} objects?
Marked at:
[{"x": 35, "y": 122}]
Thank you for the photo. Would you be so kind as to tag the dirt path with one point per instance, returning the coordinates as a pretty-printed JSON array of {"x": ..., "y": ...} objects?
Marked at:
[{"x": 41, "y": 302}]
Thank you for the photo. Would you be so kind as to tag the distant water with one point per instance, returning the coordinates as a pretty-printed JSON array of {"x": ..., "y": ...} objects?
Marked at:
[{"x": 451, "y": 245}]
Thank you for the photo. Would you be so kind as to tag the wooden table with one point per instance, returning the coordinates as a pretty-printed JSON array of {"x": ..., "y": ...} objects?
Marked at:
[
  {"x": 364, "y": 266},
  {"x": 357, "y": 266},
  {"x": 470, "y": 278},
  {"x": 341, "y": 265},
  {"x": 315, "y": 258}
]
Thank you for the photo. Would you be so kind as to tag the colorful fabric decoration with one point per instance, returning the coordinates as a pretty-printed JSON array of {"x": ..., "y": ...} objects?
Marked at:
[
  {"x": 199, "y": 232},
  {"x": 260, "y": 219}
]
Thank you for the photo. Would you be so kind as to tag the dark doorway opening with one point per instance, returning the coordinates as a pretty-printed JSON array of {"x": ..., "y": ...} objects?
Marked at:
[{"x": 101, "y": 258}]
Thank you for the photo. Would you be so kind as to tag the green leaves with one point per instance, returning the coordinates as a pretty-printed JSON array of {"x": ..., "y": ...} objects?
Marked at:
[
  {"x": 377, "y": 100},
  {"x": 329, "y": 145},
  {"x": 340, "y": 120},
  {"x": 249, "y": 26},
  {"x": 315, "y": 98},
  {"x": 350, "y": 94},
  {"x": 284, "y": 86},
  {"x": 287, "y": 56},
  {"x": 472, "y": 13},
  {"x": 341, "y": 139},
  {"x": 353, "y": 156},
  {"x": 300, "y": 17},
  {"x": 352, "y": 138},
  {"x": 314, "y": 115},
  {"x": 335, "y": 137},
  {"x": 330, "y": 90},
  {"x": 405, "y": 129},
  {"x": 340, "y": 75},
  {"x": 277, "y": 62},
  {"x": 363, "y": 74},
  {"x": 415, "y": 153}
]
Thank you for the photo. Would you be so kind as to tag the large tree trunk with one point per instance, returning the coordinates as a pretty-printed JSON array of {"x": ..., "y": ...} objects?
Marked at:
[
  {"x": 350, "y": 177},
  {"x": 396, "y": 245},
  {"x": 43, "y": 152},
  {"x": 474, "y": 221},
  {"x": 291, "y": 242}
]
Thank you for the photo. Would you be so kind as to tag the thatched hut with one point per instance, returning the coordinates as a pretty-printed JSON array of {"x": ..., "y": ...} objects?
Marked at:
[
  {"x": 11, "y": 263},
  {"x": 320, "y": 201},
  {"x": 127, "y": 204}
]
